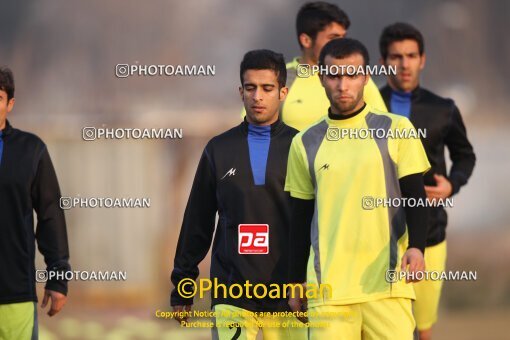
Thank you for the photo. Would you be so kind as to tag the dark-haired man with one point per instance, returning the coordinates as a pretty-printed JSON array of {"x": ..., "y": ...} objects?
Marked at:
[
  {"x": 337, "y": 236},
  {"x": 316, "y": 24},
  {"x": 27, "y": 182},
  {"x": 402, "y": 45},
  {"x": 241, "y": 176}
]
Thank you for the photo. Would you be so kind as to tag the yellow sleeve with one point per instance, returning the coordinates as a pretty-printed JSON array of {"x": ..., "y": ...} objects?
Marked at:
[
  {"x": 411, "y": 156},
  {"x": 243, "y": 113},
  {"x": 298, "y": 181},
  {"x": 372, "y": 96}
]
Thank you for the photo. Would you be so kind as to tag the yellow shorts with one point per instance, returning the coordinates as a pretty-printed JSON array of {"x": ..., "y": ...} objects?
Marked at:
[
  {"x": 385, "y": 319},
  {"x": 237, "y": 323},
  {"x": 428, "y": 292},
  {"x": 18, "y": 321}
]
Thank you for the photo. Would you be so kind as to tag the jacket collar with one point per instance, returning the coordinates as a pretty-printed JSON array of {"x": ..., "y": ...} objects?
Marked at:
[
  {"x": 415, "y": 94},
  {"x": 7, "y": 130},
  {"x": 275, "y": 127}
]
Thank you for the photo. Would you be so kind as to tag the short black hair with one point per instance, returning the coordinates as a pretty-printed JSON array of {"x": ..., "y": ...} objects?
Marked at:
[
  {"x": 7, "y": 82},
  {"x": 397, "y": 32},
  {"x": 341, "y": 48},
  {"x": 313, "y": 17},
  {"x": 265, "y": 60}
]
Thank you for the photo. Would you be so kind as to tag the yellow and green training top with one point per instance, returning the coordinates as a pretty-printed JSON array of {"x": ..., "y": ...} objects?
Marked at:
[{"x": 352, "y": 248}]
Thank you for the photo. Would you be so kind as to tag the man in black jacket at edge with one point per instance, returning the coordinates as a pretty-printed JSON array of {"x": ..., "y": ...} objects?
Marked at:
[
  {"x": 27, "y": 182},
  {"x": 241, "y": 176},
  {"x": 402, "y": 45}
]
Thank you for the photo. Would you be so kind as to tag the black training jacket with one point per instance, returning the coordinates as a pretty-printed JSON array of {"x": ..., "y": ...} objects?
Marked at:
[
  {"x": 441, "y": 118},
  {"x": 27, "y": 183},
  {"x": 224, "y": 183}
]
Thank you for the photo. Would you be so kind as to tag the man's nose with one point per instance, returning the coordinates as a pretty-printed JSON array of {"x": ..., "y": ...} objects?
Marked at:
[
  {"x": 405, "y": 62},
  {"x": 257, "y": 95},
  {"x": 342, "y": 84}
]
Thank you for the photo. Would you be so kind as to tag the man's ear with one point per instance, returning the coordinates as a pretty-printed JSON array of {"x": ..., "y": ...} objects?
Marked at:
[
  {"x": 283, "y": 93},
  {"x": 10, "y": 104},
  {"x": 241, "y": 92},
  {"x": 423, "y": 60},
  {"x": 305, "y": 40},
  {"x": 367, "y": 78}
]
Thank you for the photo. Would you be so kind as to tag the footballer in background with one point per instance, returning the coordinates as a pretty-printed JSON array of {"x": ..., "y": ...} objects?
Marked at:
[
  {"x": 402, "y": 45},
  {"x": 317, "y": 23}
]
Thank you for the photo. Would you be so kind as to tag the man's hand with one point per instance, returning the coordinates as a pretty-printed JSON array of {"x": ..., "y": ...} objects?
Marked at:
[
  {"x": 298, "y": 303},
  {"x": 181, "y": 309},
  {"x": 58, "y": 300},
  {"x": 442, "y": 190},
  {"x": 413, "y": 258}
]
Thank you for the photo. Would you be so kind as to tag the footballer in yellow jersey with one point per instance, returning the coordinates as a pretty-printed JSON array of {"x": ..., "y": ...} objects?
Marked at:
[{"x": 358, "y": 249}]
